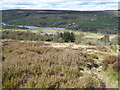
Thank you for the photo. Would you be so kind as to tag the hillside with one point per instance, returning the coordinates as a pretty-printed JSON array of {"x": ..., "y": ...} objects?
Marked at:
[
  {"x": 77, "y": 20},
  {"x": 76, "y": 57},
  {"x": 33, "y": 60},
  {"x": 31, "y": 64}
]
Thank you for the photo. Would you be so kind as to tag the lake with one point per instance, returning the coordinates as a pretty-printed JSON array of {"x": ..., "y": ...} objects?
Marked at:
[{"x": 34, "y": 27}]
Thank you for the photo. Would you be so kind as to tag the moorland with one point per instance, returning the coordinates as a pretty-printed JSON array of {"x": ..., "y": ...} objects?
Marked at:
[{"x": 84, "y": 55}]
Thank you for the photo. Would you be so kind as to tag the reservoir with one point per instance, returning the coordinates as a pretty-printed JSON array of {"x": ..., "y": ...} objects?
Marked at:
[{"x": 34, "y": 27}]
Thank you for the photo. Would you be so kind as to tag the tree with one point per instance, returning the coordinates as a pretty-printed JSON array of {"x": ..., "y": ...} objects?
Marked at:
[
  {"x": 67, "y": 36},
  {"x": 72, "y": 37}
]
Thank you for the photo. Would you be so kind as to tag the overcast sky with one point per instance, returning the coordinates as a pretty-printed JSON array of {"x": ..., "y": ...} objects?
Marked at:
[{"x": 81, "y": 5}]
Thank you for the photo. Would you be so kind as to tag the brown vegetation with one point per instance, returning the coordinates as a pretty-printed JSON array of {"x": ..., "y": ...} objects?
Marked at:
[
  {"x": 113, "y": 60},
  {"x": 36, "y": 65}
]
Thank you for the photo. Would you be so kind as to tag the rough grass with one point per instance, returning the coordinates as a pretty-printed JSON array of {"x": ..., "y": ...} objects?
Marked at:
[
  {"x": 41, "y": 31},
  {"x": 93, "y": 35},
  {"x": 36, "y": 65},
  {"x": 111, "y": 67},
  {"x": 97, "y": 36}
]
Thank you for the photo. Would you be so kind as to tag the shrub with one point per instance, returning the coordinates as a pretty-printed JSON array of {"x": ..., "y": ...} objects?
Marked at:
[
  {"x": 113, "y": 60},
  {"x": 116, "y": 65}
]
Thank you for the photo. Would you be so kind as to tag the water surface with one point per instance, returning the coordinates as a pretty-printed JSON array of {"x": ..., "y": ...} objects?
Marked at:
[{"x": 34, "y": 27}]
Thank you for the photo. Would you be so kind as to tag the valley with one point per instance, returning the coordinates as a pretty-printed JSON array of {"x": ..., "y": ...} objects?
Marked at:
[
  {"x": 60, "y": 49},
  {"x": 94, "y": 21}
]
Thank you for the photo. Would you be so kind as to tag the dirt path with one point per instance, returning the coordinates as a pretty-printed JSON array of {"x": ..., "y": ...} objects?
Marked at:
[{"x": 103, "y": 77}]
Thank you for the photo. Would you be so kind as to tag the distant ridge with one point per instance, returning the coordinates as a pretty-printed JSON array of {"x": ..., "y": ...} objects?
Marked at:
[
  {"x": 106, "y": 20},
  {"x": 57, "y": 11}
]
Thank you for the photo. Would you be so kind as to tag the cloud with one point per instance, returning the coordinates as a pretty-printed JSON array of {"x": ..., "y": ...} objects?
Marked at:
[
  {"x": 60, "y": 4},
  {"x": 25, "y": 4}
]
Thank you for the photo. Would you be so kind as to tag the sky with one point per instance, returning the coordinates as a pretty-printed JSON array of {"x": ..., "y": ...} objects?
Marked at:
[{"x": 80, "y": 5}]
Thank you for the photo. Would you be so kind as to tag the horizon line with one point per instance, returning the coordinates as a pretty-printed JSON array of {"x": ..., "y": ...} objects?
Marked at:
[{"x": 60, "y": 9}]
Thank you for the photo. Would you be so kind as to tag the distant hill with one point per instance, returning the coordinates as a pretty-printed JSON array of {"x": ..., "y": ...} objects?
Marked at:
[{"x": 76, "y": 20}]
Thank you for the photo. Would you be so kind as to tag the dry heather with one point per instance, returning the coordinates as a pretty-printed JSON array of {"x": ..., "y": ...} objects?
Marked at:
[
  {"x": 37, "y": 65},
  {"x": 112, "y": 60}
]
